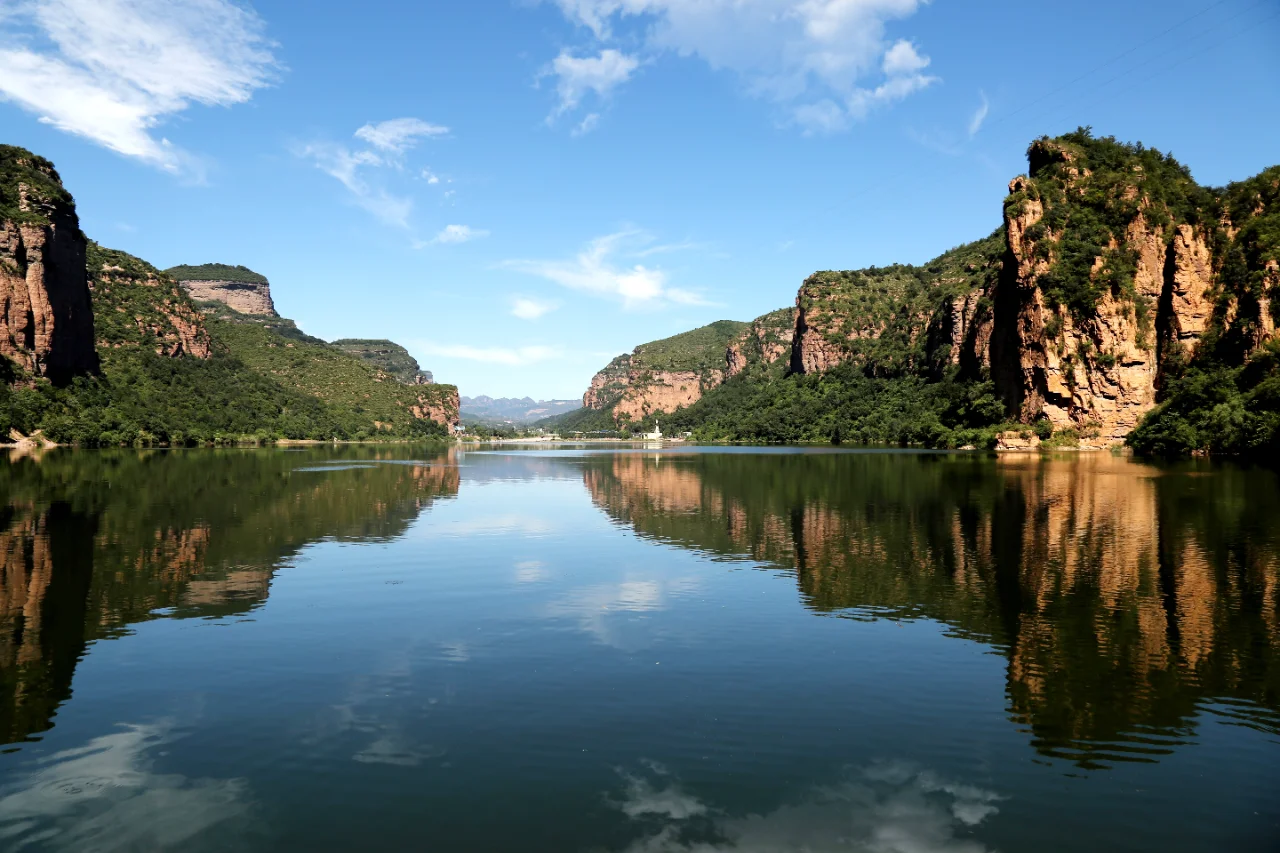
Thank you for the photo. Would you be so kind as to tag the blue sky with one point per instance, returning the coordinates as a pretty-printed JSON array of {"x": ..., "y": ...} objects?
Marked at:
[{"x": 519, "y": 190}]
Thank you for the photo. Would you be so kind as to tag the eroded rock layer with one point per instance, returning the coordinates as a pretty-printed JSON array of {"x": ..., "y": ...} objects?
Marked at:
[{"x": 46, "y": 320}]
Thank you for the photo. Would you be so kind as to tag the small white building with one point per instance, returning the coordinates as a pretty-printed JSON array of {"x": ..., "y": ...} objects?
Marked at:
[{"x": 656, "y": 435}]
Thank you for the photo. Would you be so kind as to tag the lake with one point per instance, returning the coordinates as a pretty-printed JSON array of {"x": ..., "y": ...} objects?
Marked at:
[{"x": 399, "y": 648}]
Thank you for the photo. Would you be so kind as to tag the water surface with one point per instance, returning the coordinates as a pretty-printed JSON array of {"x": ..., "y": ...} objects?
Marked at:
[{"x": 568, "y": 650}]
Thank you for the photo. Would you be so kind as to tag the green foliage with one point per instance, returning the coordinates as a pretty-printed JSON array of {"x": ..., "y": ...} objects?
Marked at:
[
  {"x": 216, "y": 272},
  {"x": 697, "y": 350},
  {"x": 1092, "y": 190},
  {"x": 45, "y": 193},
  {"x": 261, "y": 382},
  {"x": 1218, "y": 409},
  {"x": 844, "y": 405},
  {"x": 384, "y": 355},
  {"x": 881, "y": 318}
]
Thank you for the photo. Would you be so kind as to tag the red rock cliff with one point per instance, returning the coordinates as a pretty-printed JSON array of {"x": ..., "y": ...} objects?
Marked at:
[{"x": 46, "y": 320}]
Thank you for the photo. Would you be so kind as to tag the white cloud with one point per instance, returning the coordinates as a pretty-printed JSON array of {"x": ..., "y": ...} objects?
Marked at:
[
  {"x": 398, "y": 135},
  {"x": 512, "y": 356},
  {"x": 980, "y": 115},
  {"x": 113, "y": 70},
  {"x": 816, "y": 56},
  {"x": 430, "y": 176},
  {"x": 576, "y": 76},
  {"x": 353, "y": 167},
  {"x": 346, "y": 166},
  {"x": 530, "y": 309},
  {"x": 587, "y": 125},
  {"x": 594, "y": 271},
  {"x": 459, "y": 234}
]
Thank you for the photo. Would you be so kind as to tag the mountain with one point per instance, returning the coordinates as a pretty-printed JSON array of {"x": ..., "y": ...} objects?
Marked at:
[
  {"x": 240, "y": 288},
  {"x": 664, "y": 375},
  {"x": 1118, "y": 301},
  {"x": 510, "y": 410},
  {"x": 387, "y": 356},
  {"x": 102, "y": 348}
]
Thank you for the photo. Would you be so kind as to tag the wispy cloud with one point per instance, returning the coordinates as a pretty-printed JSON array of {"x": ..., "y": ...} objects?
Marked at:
[
  {"x": 596, "y": 270},
  {"x": 453, "y": 234},
  {"x": 828, "y": 62},
  {"x": 358, "y": 169},
  {"x": 530, "y": 309},
  {"x": 979, "y": 115},
  {"x": 510, "y": 356},
  {"x": 398, "y": 135},
  {"x": 577, "y": 76},
  {"x": 113, "y": 70},
  {"x": 350, "y": 168}
]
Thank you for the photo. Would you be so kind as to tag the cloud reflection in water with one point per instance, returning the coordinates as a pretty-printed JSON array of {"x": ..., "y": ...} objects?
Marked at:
[{"x": 890, "y": 807}]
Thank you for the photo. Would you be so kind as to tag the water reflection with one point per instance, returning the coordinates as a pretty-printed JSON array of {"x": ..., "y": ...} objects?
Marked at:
[
  {"x": 1127, "y": 599},
  {"x": 93, "y": 543},
  {"x": 889, "y": 807}
]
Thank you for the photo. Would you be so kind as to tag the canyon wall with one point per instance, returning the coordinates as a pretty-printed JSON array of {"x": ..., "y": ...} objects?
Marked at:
[
  {"x": 46, "y": 319},
  {"x": 247, "y": 297}
]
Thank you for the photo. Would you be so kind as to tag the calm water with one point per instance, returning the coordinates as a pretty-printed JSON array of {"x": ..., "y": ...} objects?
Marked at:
[{"x": 399, "y": 649}]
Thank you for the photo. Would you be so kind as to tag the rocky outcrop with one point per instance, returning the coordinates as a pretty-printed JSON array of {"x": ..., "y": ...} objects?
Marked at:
[
  {"x": 139, "y": 306},
  {"x": 246, "y": 297},
  {"x": 442, "y": 405},
  {"x": 766, "y": 342},
  {"x": 46, "y": 320},
  {"x": 665, "y": 375}
]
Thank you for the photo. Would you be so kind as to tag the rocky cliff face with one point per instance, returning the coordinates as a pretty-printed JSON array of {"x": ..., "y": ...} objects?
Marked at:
[
  {"x": 1111, "y": 267},
  {"x": 442, "y": 406},
  {"x": 247, "y": 297},
  {"x": 139, "y": 306},
  {"x": 765, "y": 343},
  {"x": 1117, "y": 267},
  {"x": 46, "y": 320},
  {"x": 664, "y": 375}
]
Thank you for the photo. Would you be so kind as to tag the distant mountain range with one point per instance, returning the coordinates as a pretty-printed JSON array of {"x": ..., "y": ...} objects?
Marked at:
[{"x": 523, "y": 410}]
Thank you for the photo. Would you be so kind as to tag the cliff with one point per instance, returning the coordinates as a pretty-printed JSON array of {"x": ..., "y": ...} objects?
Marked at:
[
  {"x": 1115, "y": 284},
  {"x": 46, "y": 320},
  {"x": 139, "y": 306},
  {"x": 664, "y": 375},
  {"x": 159, "y": 368},
  {"x": 389, "y": 357},
  {"x": 237, "y": 287}
]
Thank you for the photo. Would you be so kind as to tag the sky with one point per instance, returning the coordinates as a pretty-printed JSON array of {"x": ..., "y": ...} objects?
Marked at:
[{"x": 517, "y": 191}]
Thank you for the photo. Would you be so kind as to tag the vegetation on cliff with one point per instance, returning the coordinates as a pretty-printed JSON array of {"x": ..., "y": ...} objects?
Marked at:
[
  {"x": 697, "y": 350},
  {"x": 386, "y": 356},
  {"x": 45, "y": 193},
  {"x": 1116, "y": 288},
  {"x": 215, "y": 272}
]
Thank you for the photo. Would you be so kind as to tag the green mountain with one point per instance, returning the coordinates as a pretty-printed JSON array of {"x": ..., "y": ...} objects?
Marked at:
[
  {"x": 389, "y": 357},
  {"x": 1118, "y": 302},
  {"x": 121, "y": 354}
]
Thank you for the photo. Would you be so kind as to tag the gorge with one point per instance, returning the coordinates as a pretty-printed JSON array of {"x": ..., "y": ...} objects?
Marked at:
[{"x": 1113, "y": 285}]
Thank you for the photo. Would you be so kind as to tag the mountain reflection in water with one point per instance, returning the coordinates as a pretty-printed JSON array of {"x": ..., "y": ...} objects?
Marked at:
[
  {"x": 94, "y": 542},
  {"x": 690, "y": 650},
  {"x": 1128, "y": 600}
]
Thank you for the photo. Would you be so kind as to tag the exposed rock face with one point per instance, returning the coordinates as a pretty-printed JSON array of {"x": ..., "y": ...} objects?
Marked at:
[
  {"x": 143, "y": 307},
  {"x": 443, "y": 408},
  {"x": 664, "y": 375},
  {"x": 247, "y": 297},
  {"x": 767, "y": 341},
  {"x": 46, "y": 320}
]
